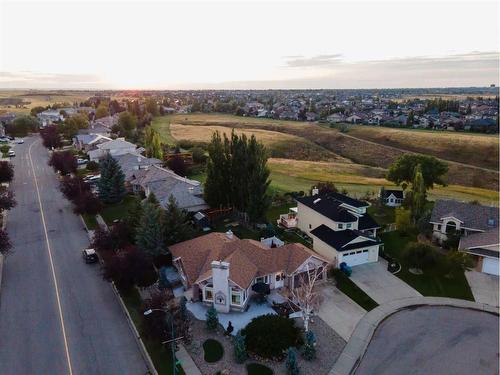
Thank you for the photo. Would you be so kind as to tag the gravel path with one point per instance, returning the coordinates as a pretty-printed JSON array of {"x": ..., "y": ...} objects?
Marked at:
[{"x": 329, "y": 347}]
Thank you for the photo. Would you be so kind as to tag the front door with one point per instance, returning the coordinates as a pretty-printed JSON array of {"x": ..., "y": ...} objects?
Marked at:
[{"x": 279, "y": 280}]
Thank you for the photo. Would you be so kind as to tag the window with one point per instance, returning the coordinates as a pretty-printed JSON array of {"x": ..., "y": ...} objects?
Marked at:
[
  {"x": 310, "y": 226},
  {"x": 235, "y": 296},
  {"x": 209, "y": 294},
  {"x": 278, "y": 277},
  {"x": 358, "y": 252},
  {"x": 341, "y": 226},
  {"x": 262, "y": 279},
  {"x": 365, "y": 251},
  {"x": 491, "y": 222},
  {"x": 438, "y": 227},
  {"x": 348, "y": 226}
]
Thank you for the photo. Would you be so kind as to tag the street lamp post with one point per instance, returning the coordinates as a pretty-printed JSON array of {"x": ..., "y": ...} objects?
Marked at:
[{"x": 148, "y": 312}]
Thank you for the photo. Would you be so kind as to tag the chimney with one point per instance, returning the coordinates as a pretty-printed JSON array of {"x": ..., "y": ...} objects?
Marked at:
[
  {"x": 315, "y": 191},
  {"x": 220, "y": 281},
  {"x": 229, "y": 234}
]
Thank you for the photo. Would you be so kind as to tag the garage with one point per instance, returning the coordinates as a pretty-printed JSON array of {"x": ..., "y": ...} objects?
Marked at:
[
  {"x": 354, "y": 258},
  {"x": 491, "y": 266}
]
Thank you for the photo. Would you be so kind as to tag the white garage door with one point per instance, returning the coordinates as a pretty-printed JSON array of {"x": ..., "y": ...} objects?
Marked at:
[
  {"x": 491, "y": 266},
  {"x": 354, "y": 258}
]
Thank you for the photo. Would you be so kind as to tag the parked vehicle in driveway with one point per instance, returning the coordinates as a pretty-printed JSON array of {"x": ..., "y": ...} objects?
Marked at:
[
  {"x": 89, "y": 256},
  {"x": 92, "y": 178},
  {"x": 81, "y": 161},
  {"x": 11, "y": 153},
  {"x": 20, "y": 141}
]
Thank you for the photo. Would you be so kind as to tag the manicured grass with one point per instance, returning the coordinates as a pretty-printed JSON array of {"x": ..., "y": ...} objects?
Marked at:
[
  {"x": 160, "y": 355},
  {"x": 239, "y": 231},
  {"x": 90, "y": 221},
  {"x": 213, "y": 350},
  {"x": 274, "y": 212},
  {"x": 117, "y": 211},
  {"x": 433, "y": 282},
  {"x": 347, "y": 286},
  {"x": 258, "y": 369}
]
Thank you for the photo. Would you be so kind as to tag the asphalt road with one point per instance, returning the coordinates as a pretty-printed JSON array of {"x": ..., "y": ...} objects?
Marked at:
[
  {"x": 434, "y": 340},
  {"x": 76, "y": 328}
]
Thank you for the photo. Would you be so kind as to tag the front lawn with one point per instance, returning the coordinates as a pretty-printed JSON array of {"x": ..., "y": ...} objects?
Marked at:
[
  {"x": 433, "y": 282},
  {"x": 347, "y": 286},
  {"x": 117, "y": 211},
  {"x": 90, "y": 221},
  {"x": 161, "y": 355}
]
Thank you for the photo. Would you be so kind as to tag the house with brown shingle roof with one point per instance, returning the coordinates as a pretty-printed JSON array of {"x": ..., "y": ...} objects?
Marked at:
[{"x": 220, "y": 268}]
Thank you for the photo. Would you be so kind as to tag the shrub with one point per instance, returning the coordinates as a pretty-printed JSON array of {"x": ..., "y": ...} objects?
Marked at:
[
  {"x": 93, "y": 166},
  {"x": 213, "y": 350},
  {"x": 240, "y": 349},
  {"x": 419, "y": 255},
  {"x": 291, "y": 362},
  {"x": 212, "y": 318},
  {"x": 87, "y": 203},
  {"x": 258, "y": 369},
  {"x": 309, "y": 350},
  {"x": 269, "y": 336},
  {"x": 6, "y": 171}
]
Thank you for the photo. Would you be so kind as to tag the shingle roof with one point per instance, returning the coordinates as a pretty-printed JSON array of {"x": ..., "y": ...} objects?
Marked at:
[
  {"x": 483, "y": 239},
  {"x": 131, "y": 163},
  {"x": 247, "y": 258},
  {"x": 339, "y": 240},
  {"x": 328, "y": 207},
  {"x": 348, "y": 200},
  {"x": 367, "y": 222},
  {"x": 473, "y": 216}
]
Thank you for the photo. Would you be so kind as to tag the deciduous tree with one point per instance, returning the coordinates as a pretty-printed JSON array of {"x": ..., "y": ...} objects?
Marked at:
[
  {"x": 51, "y": 137},
  {"x": 403, "y": 170},
  {"x": 64, "y": 162},
  {"x": 6, "y": 171}
]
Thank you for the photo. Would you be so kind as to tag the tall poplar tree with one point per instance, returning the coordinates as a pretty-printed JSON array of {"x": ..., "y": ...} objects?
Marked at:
[{"x": 418, "y": 194}]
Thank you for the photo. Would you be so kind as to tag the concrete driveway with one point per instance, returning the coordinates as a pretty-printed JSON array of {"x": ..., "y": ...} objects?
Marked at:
[
  {"x": 484, "y": 287},
  {"x": 379, "y": 284},
  {"x": 340, "y": 312}
]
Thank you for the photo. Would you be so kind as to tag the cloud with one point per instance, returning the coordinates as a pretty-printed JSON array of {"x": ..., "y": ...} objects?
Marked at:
[
  {"x": 319, "y": 60},
  {"x": 28, "y": 79}
]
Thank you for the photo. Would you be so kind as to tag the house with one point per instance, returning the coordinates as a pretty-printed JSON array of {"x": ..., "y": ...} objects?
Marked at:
[
  {"x": 49, "y": 116},
  {"x": 130, "y": 163},
  {"x": 335, "y": 118},
  {"x": 86, "y": 142},
  {"x": 484, "y": 247},
  {"x": 115, "y": 147},
  {"x": 164, "y": 183},
  {"x": 449, "y": 216},
  {"x": 219, "y": 268},
  {"x": 341, "y": 229},
  {"x": 392, "y": 198},
  {"x": 355, "y": 119}
]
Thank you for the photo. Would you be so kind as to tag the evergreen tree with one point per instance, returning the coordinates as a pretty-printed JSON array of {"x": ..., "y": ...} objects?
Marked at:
[
  {"x": 309, "y": 352},
  {"x": 212, "y": 319},
  {"x": 149, "y": 235},
  {"x": 418, "y": 195},
  {"x": 112, "y": 182},
  {"x": 291, "y": 362},
  {"x": 133, "y": 218},
  {"x": 240, "y": 349},
  {"x": 258, "y": 180},
  {"x": 176, "y": 222}
]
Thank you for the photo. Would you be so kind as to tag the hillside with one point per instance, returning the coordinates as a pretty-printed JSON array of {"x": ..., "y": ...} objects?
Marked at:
[{"x": 370, "y": 152}]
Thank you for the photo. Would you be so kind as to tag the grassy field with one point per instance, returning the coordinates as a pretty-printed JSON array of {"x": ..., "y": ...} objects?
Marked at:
[
  {"x": 363, "y": 151},
  {"x": 433, "y": 282},
  {"x": 459, "y": 147}
]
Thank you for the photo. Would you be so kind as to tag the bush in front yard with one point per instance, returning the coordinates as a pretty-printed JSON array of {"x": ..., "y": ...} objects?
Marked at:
[
  {"x": 269, "y": 336},
  {"x": 419, "y": 255},
  {"x": 213, "y": 350},
  {"x": 258, "y": 369}
]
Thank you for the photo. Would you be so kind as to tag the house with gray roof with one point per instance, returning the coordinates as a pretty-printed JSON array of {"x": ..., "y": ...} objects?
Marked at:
[
  {"x": 477, "y": 226},
  {"x": 86, "y": 142},
  {"x": 164, "y": 183},
  {"x": 114, "y": 147},
  {"x": 132, "y": 163},
  {"x": 484, "y": 247}
]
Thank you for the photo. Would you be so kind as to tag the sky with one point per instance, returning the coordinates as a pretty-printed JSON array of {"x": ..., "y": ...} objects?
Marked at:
[{"x": 247, "y": 45}]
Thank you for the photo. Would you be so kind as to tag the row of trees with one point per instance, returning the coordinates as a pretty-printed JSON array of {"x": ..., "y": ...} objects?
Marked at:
[
  {"x": 237, "y": 174},
  {"x": 7, "y": 201}
]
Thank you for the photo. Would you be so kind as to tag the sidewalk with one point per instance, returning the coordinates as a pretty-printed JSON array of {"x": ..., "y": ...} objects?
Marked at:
[{"x": 186, "y": 361}]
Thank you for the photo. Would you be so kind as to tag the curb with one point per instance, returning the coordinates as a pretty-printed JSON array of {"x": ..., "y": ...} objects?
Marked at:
[
  {"x": 133, "y": 328},
  {"x": 353, "y": 352},
  {"x": 2, "y": 259}
]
